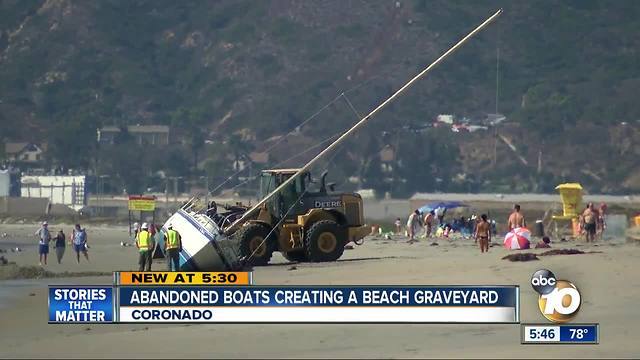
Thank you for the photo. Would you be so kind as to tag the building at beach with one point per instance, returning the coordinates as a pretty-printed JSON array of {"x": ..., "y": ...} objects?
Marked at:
[{"x": 64, "y": 190}]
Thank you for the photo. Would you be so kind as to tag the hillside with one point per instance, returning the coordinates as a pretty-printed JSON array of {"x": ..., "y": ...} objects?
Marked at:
[{"x": 567, "y": 80}]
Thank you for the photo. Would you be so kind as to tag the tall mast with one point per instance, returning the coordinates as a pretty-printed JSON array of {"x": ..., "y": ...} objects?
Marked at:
[{"x": 360, "y": 123}]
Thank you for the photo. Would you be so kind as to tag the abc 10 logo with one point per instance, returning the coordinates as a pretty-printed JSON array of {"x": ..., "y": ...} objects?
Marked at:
[{"x": 559, "y": 300}]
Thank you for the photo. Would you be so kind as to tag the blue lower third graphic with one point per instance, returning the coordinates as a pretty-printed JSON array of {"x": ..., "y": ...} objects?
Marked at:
[
  {"x": 319, "y": 304},
  {"x": 80, "y": 304}
]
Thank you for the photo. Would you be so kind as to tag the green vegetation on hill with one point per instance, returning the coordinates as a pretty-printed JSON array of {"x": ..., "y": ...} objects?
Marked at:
[{"x": 568, "y": 77}]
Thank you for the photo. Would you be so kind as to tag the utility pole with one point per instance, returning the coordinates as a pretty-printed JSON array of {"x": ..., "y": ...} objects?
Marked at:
[
  {"x": 166, "y": 193},
  {"x": 497, "y": 76},
  {"x": 99, "y": 196},
  {"x": 175, "y": 191},
  {"x": 250, "y": 171},
  {"x": 495, "y": 135},
  {"x": 495, "y": 146},
  {"x": 102, "y": 194},
  {"x": 540, "y": 158}
]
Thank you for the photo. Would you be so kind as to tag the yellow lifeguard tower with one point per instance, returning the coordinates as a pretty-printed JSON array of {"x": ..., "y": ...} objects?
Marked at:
[{"x": 571, "y": 196}]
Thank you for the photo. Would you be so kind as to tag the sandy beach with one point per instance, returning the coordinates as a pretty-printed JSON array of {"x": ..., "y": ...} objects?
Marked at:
[{"x": 607, "y": 280}]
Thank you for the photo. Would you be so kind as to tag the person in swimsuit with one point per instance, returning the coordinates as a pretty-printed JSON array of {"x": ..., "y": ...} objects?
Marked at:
[
  {"x": 516, "y": 219},
  {"x": 602, "y": 221},
  {"x": 483, "y": 233},
  {"x": 428, "y": 223},
  {"x": 590, "y": 216}
]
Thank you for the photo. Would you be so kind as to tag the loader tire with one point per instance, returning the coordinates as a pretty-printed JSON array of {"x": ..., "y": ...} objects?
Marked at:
[
  {"x": 296, "y": 255},
  {"x": 324, "y": 241},
  {"x": 251, "y": 237}
]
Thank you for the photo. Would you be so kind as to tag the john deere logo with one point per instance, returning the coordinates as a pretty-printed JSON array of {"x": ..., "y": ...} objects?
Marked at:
[
  {"x": 559, "y": 300},
  {"x": 328, "y": 204}
]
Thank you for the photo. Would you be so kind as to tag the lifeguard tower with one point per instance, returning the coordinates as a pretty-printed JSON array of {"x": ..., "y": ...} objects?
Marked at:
[{"x": 571, "y": 196}]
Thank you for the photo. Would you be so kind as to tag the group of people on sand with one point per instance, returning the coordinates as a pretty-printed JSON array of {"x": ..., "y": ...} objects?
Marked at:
[
  {"x": 434, "y": 219},
  {"x": 78, "y": 239},
  {"x": 148, "y": 236},
  {"x": 415, "y": 222},
  {"x": 516, "y": 220},
  {"x": 481, "y": 228}
]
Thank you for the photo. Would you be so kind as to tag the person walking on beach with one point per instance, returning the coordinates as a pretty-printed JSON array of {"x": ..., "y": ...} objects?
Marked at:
[
  {"x": 79, "y": 238},
  {"x": 173, "y": 246},
  {"x": 428, "y": 223},
  {"x": 516, "y": 219},
  {"x": 483, "y": 233},
  {"x": 413, "y": 224},
  {"x": 144, "y": 243},
  {"x": 60, "y": 245},
  {"x": 44, "y": 237},
  {"x": 602, "y": 221},
  {"x": 590, "y": 217}
]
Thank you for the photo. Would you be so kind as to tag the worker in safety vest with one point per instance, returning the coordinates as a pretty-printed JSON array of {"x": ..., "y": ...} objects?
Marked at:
[
  {"x": 145, "y": 244},
  {"x": 173, "y": 246}
]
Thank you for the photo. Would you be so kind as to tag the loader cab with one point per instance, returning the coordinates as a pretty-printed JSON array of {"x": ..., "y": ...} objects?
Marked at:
[{"x": 288, "y": 197}]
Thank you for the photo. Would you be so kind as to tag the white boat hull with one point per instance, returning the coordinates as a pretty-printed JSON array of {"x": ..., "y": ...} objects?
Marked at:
[{"x": 204, "y": 248}]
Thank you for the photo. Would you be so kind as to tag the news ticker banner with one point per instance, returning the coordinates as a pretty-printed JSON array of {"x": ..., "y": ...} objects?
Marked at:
[
  {"x": 177, "y": 302},
  {"x": 560, "y": 334}
]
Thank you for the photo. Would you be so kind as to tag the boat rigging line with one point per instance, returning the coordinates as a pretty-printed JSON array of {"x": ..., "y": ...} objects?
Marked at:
[{"x": 230, "y": 229}]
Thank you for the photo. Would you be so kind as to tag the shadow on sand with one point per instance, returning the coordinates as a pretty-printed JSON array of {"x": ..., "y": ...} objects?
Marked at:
[
  {"x": 532, "y": 256},
  {"x": 342, "y": 260}
]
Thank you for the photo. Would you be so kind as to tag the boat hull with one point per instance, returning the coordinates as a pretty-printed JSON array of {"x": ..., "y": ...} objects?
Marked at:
[{"x": 204, "y": 247}]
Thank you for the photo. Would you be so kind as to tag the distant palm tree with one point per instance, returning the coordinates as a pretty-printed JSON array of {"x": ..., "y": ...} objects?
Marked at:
[{"x": 239, "y": 148}]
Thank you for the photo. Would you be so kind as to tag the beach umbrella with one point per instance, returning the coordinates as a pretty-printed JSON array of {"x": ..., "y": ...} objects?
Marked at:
[
  {"x": 518, "y": 238},
  {"x": 443, "y": 204}
]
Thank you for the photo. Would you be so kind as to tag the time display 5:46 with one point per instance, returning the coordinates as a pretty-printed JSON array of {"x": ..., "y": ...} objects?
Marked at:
[{"x": 542, "y": 333}]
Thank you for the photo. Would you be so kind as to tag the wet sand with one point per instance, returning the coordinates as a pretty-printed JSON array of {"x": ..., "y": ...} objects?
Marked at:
[{"x": 608, "y": 283}]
